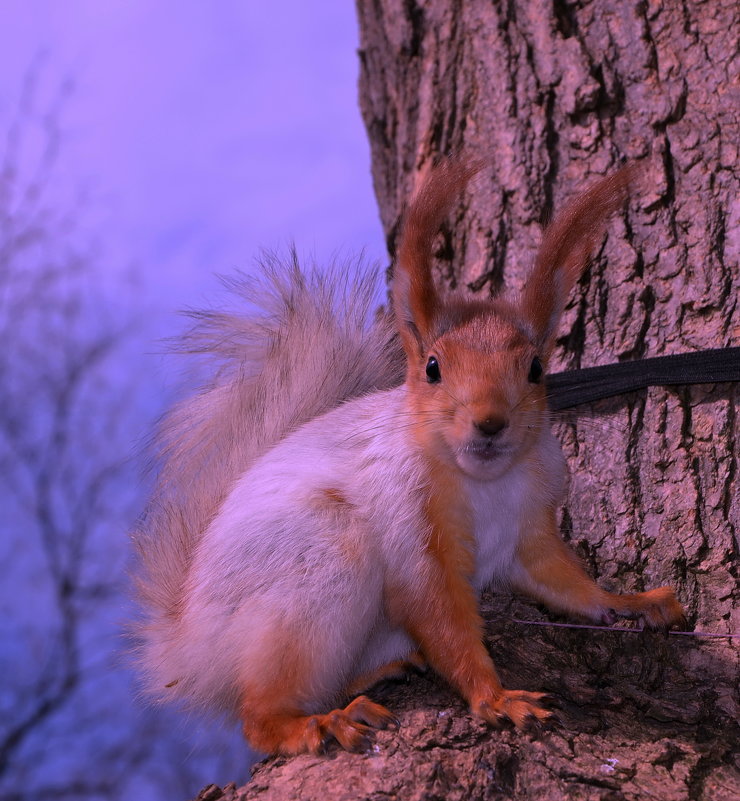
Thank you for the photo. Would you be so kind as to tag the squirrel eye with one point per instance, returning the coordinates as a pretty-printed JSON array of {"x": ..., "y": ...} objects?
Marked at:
[
  {"x": 433, "y": 373},
  {"x": 535, "y": 371}
]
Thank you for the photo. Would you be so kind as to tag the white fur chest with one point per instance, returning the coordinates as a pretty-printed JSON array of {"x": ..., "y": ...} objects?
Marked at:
[{"x": 502, "y": 507}]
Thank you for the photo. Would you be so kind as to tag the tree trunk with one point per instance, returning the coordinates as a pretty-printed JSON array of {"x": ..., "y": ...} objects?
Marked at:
[{"x": 552, "y": 94}]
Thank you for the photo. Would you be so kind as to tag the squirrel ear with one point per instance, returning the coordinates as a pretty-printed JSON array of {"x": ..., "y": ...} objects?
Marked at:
[
  {"x": 567, "y": 245},
  {"x": 415, "y": 299},
  {"x": 410, "y": 312}
]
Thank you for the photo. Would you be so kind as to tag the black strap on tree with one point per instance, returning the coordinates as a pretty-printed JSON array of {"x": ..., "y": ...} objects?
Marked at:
[{"x": 573, "y": 387}]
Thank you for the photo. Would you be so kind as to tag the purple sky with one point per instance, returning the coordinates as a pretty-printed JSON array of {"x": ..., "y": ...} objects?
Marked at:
[
  {"x": 200, "y": 131},
  {"x": 203, "y": 130}
]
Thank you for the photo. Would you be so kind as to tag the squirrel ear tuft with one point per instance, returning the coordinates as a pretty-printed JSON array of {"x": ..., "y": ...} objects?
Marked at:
[
  {"x": 567, "y": 245},
  {"x": 415, "y": 299}
]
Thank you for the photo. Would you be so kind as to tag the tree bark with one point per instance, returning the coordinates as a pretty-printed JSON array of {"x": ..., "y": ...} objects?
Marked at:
[{"x": 552, "y": 94}]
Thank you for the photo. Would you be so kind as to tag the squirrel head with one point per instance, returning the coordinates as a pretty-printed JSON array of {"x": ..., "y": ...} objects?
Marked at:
[{"x": 475, "y": 368}]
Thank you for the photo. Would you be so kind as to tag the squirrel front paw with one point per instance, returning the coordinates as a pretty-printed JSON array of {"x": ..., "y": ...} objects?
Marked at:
[
  {"x": 522, "y": 708},
  {"x": 656, "y": 609}
]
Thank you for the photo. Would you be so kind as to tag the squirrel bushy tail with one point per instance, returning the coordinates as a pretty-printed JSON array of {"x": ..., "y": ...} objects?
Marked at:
[{"x": 303, "y": 343}]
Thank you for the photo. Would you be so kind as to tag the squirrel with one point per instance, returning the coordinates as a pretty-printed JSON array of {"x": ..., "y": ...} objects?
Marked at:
[{"x": 330, "y": 508}]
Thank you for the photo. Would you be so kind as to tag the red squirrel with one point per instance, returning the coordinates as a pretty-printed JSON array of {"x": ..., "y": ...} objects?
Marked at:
[{"x": 330, "y": 508}]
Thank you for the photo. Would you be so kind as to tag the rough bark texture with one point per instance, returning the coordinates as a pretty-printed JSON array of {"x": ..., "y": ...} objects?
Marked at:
[
  {"x": 636, "y": 724},
  {"x": 553, "y": 93}
]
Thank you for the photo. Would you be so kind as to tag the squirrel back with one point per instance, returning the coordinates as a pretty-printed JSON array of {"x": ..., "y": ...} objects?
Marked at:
[{"x": 303, "y": 343}]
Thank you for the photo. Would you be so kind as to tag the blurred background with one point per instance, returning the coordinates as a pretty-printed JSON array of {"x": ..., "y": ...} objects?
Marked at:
[{"x": 144, "y": 148}]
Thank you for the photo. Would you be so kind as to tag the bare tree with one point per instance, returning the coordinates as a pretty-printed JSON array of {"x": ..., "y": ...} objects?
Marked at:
[
  {"x": 70, "y": 413},
  {"x": 61, "y": 460}
]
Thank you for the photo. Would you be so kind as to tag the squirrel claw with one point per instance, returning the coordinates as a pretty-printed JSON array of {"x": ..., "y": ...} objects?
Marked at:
[
  {"x": 656, "y": 609},
  {"x": 531, "y": 722},
  {"x": 364, "y": 743},
  {"x": 519, "y": 707},
  {"x": 548, "y": 699},
  {"x": 353, "y": 727}
]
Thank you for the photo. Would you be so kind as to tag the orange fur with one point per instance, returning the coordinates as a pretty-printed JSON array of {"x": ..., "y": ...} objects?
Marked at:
[
  {"x": 333, "y": 504},
  {"x": 485, "y": 351},
  {"x": 455, "y": 647},
  {"x": 334, "y": 496},
  {"x": 441, "y": 610},
  {"x": 567, "y": 245},
  {"x": 415, "y": 300},
  {"x": 476, "y": 408},
  {"x": 292, "y": 733},
  {"x": 484, "y": 360},
  {"x": 393, "y": 670},
  {"x": 273, "y": 713},
  {"x": 553, "y": 574},
  {"x": 658, "y": 608}
]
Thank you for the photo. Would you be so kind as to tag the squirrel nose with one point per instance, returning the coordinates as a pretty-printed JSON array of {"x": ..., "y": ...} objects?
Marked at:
[{"x": 491, "y": 426}]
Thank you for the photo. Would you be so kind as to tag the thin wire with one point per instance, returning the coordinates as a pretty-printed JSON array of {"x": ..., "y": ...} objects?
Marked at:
[{"x": 618, "y": 628}]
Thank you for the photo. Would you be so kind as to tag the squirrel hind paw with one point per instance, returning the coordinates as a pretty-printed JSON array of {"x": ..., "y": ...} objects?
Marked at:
[{"x": 353, "y": 728}]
